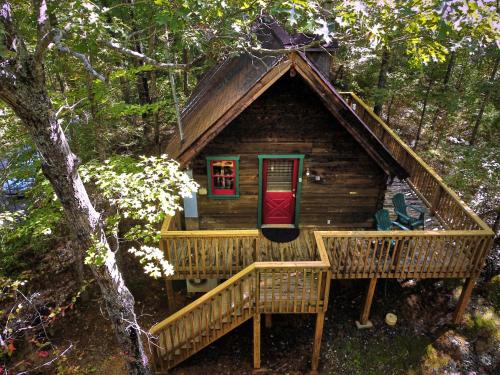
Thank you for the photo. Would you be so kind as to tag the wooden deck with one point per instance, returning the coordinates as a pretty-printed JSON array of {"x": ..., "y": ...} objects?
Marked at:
[
  {"x": 265, "y": 277},
  {"x": 398, "y": 186}
]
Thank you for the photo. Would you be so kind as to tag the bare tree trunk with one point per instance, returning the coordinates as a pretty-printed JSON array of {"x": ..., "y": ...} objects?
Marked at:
[
  {"x": 154, "y": 96},
  {"x": 127, "y": 98},
  {"x": 338, "y": 75},
  {"x": 445, "y": 90},
  {"x": 30, "y": 102},
  {"x": 389, "y": 110},
  {"x": 185, "y": 72},
  {"x": 142, "y": 80},
  {"x": 496, "y": 224},
  {"x": 422, "y": 116},
  {"x": 486, "y": 98},
  {"x": 96, "y": 120},
  {"x": 23, "y": 88},
  {"x": 382, "y": 78}
]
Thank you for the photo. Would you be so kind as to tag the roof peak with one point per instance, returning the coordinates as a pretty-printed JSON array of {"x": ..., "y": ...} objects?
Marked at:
[{"x": 286, "y": 40}]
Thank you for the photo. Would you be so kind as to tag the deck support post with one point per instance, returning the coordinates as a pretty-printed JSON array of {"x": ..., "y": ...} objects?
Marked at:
[
  {"x": 367, "y": 305},
  {"x": 170, "y": 296},
  {"x": 256, "y": 341},
  {"x": 464, "y": 299},
  {"x": 318, "y": 334},
  {"x": 268, "y": 320}
]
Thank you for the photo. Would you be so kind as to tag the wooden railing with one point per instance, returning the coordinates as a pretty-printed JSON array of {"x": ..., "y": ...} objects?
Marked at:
[
  {"x": 403, "y": 254},
  {"x": 171, "y": 223},
  {"x": 210, "y": 254},
  {"x": 262, "y": 287},
  {"x": 443, "y": 202}
]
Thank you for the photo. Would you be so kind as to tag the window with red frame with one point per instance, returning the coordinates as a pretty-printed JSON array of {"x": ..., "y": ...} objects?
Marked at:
[{"x": 223, "y": 177}]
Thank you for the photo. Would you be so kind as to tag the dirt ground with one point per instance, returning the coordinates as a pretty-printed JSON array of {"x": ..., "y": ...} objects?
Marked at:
[{"x": 422, "y": 342}]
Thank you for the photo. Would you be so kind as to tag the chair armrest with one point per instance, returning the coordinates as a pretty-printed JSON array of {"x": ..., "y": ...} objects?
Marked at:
[
  {"x": 418, "y": 209},
  {"x": 395, "y": 223},
  {"x": 406, "y": 217}
]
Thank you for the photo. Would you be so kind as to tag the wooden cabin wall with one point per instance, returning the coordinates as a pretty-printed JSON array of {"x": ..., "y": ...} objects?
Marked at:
[{"x": 289, "y": 118}]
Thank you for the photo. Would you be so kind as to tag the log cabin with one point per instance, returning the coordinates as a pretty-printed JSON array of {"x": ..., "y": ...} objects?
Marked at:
[{"x": 277, "y": 149}]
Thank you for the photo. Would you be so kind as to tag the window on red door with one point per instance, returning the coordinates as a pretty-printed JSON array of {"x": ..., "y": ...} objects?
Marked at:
[{"x": 223, "y": 177}]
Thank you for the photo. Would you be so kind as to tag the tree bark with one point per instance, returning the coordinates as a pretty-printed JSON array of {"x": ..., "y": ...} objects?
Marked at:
[
  {"x": 422, "y": 116},
  {"x": 96, "y": 120},
  {"x": 23, "y": 88},
  {"x": 382, "y": 78},
  {"x": 29, "y": 100},
  {"x": 154, "y": 96},
  {"x": 142, "y": 79},
  {"x": 496, "y": 224},
  {"x": 445, "y": 89},
  {"x": 486, "y": 98},
  {"x": 185, "y": 72},
  {"x": 389, "y": 110}
]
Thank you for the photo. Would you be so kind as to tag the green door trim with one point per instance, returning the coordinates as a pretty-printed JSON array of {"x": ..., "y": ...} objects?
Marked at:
[{"x": 298, "y": 193}]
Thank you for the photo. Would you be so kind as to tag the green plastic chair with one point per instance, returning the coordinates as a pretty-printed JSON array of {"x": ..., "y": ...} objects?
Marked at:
[
  {"x": 403, "y": 218},
  {"x": 384, "y": 222}
]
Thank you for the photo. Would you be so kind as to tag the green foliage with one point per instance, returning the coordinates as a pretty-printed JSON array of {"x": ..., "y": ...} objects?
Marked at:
[
  {"x": 144, "y": 190},
  {"x": 434, "y": 360},
  {"x": 475, "y": 172},
  {"x": 485, "y": 321},
  {"x": 493, "y": 292},
  {"x": 36, "y": 228},
  {"x": 405, "y": 352},
  {"x": 97, "y": 253}
]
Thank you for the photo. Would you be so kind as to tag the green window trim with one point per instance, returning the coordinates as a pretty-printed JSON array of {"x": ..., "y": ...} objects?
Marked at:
[
  {"x": 210, "y": 193},
  {"x": 299, "y": 184}
]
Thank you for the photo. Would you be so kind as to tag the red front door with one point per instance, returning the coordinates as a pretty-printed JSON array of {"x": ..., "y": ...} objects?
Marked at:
[{"x": 279, "y": 185}]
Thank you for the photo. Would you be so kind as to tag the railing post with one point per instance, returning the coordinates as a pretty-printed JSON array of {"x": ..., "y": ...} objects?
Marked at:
[
  {"x": 318, "y": 334},
  {"x": 367, "y": 305},
  {"x": 435, "y": 200},
  {"x": 257, "y": 248},
  {"x": 256, "y": 340},
  {"x": 257, "y": 291},
  {"x": 268, "y": 320},
  {"x": 170, "y": 296},
  {"x": 464, "y": 299}
]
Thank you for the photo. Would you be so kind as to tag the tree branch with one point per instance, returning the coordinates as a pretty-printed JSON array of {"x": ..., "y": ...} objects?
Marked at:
[
  {"x": 80, "y": 56},
  {"x": 11, "y": 39},
  {"x": 44, "y": 43},
  {"x": 277, "y": 51},
  {"x": 42, "y": 18},
  {"x": 45, "y": 34},
  {"x": 142, "y": 57}
]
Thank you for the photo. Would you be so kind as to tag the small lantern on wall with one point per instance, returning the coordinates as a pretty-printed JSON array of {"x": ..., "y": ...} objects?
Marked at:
[{"x": 313, "y": 176}]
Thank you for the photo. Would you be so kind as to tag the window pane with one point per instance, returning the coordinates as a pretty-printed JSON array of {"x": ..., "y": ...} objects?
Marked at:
[
  {"x": 226, "y": 183},
  {"x": 223, "y": 167},
  {"x": 279, "y": 175},
  {"x": 223, "y": 177}
]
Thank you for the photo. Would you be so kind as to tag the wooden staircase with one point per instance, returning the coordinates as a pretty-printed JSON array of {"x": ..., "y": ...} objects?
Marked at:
[
  {"x": 205, "y": 320},
  {"x": 261, "y": 287}
]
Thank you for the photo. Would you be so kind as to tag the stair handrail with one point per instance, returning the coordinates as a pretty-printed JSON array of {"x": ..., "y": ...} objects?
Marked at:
[
  {"x": 202, "y": 299},
  {"x": 323, "y": 264},
  {"x": 442, "y": 185}
]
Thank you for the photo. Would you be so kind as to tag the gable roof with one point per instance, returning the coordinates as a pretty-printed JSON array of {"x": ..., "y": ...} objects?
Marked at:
[{"x": 230, "y": 87}]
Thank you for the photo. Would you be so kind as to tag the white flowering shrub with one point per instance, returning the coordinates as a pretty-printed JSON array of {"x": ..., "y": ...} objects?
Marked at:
[{"x": 144, "y": 190}]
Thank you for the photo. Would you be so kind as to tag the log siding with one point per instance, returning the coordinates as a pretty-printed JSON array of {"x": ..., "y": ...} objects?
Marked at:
[{"x": 289, "y": 118}]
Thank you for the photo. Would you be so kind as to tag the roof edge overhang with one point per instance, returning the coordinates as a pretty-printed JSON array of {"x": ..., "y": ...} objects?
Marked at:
[
  {"x": 332, "y": 100},
  {"x": 188, "y": 152}
]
